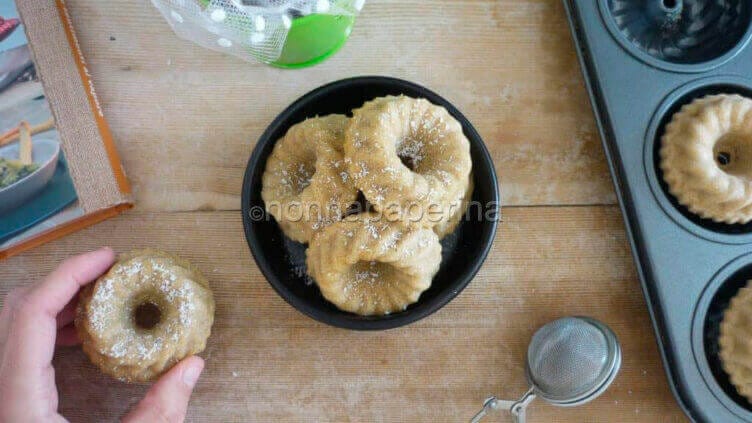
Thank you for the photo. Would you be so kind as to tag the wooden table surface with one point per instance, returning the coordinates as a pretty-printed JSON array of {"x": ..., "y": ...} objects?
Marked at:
[{"x": 186, "y": 119}]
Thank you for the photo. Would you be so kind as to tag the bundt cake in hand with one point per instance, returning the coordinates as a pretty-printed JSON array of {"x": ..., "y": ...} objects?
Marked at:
[{"x": 149, "y": 311}]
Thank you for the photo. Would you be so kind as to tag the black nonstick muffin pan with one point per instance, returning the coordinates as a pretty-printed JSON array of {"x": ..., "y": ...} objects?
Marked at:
[
  {"x": 642, "y": 61},
  {"x": 282, "y": 261}
]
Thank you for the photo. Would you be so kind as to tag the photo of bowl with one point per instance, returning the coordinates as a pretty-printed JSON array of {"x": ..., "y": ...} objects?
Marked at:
[{"x": 45, "y": 155}]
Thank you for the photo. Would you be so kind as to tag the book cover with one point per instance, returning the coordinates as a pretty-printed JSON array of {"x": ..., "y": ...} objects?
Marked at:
[{"x": 59, "y": 169}]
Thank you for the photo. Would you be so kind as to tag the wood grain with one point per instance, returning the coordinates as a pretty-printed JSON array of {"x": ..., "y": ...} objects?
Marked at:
[
  {"x": 186, "y": 119},
  {"x": 267, "y": 362}
]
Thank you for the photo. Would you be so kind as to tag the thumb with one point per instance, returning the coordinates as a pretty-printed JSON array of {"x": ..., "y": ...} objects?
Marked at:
[{"x": 167, "y": 400}]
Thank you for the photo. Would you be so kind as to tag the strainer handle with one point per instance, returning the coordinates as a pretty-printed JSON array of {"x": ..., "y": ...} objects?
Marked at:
[
  {"x": 519, "y": 408},
  {"x": 492, "y": 403},
  {"x": 519, "y": 416},
  {"x": 516, "y": 408}
]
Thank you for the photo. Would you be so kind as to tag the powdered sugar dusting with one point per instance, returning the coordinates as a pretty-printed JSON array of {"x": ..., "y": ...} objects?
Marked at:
[
  {"x": 362, "y": 171},
  {"x": 363, "y": 278},
  {"x": 411, "y": 150},
  {"x": 377, "y": 194},
  {"x": 295, "y": 178},
  {"x": 370, "y": 275},
  {"x": 102, "y": 305},
  {"x": 391, "y": 243},
  {"x": 118, "y": 350},
  {"x": 186, "y": 306},
  {"x": 372, "y": 230}
]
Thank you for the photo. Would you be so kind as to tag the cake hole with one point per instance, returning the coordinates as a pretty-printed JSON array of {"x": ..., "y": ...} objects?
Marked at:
[
  {"x": 670, "y": 4},
  {"x": 723, "y": 158},
  {"x": 147, "y": 315},
  {"x": 733, "y": 153},
  {"x": 302, "y": 174},
  {"x": 361, "y": 205},
  {"x": 410, "y": 152},
  {"x": 408, "y": 162}
]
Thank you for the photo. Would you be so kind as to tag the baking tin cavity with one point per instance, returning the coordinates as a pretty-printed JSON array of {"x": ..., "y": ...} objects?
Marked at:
[
  {"x": 705, "y": 228},
  {"x": 680, "y": 35},
  {"x": 706, "y": 330}
]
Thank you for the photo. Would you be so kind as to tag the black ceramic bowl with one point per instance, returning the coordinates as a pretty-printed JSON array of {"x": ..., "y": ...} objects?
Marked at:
[{"x": 282, "y": 261}]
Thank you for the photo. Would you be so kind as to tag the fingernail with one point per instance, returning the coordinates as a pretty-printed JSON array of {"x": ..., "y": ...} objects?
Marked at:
[{"x": 191, "y": 374}]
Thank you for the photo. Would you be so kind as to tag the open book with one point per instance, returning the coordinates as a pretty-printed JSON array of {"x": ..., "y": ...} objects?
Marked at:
[{"x": 59, "y": 169}]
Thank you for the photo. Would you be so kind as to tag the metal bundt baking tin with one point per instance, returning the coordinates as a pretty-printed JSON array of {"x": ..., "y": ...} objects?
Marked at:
[
  {"x": 679, "y": 35},
  {"x": 642, "y": 60}
]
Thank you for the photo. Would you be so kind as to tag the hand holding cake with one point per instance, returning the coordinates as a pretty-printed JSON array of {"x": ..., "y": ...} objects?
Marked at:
[{"x": 36, "y": 318}]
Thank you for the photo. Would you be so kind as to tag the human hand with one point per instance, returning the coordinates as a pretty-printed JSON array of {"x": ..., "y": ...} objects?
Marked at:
[{"x": 36, "y": 318}]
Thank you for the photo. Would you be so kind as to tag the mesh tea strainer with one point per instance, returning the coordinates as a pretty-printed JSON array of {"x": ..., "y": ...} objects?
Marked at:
[{"x": 570, "y": 361}]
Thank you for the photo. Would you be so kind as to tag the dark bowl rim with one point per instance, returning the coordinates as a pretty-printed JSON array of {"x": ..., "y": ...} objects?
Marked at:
[{"x": 394, "y": 320}]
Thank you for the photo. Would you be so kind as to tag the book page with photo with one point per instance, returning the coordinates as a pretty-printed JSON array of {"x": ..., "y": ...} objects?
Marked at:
[
  {"x": 43, "y": 193},
  {"x": 36, "y": 190}
]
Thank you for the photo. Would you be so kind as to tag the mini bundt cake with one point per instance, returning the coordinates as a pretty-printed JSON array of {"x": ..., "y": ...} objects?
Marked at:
[
  {"x": 736, "y": 341},
  {"x": 368, "y": 266},
  {"x": 457, "y": 212},
  {"x": 706, "y": 157},
  {"x": 409, "y": 157},
  {"x": 306, "y": 185},
  {"x": 149, "y": 311}
]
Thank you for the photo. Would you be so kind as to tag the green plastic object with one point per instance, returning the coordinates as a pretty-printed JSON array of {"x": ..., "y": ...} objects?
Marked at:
[
  {"x": 314, "y": 38},
  {"x": 311, "y": 39}
]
